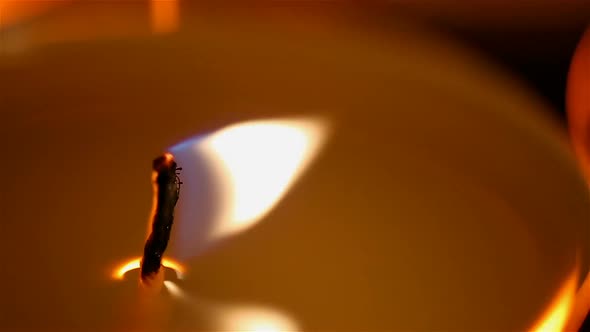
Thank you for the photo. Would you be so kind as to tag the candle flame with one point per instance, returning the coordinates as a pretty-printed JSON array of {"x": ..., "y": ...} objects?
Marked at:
[
  {"x": 249, "y": 167},
  {"x": 134, "y": 264},
  {"x": 259, "y": 162}
]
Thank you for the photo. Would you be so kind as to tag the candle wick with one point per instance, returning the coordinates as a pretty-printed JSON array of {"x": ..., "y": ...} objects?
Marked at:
[{"x": 166, "y": 184}]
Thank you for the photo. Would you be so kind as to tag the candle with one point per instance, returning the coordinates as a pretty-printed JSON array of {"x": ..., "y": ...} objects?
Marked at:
[{"x": 441, "y": 199}]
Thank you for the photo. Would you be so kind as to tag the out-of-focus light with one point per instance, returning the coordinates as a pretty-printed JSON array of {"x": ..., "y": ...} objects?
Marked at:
[
  {"x": 232, "y": 317},
  {"x": 14, "y": 11},
  {"x": 250, "y": 167},
  {"x": 554, "y": 319},
  {"x": 253, "y": 319},
  {"x": 133, "y": 264},
  {"x": 174, "y": 289},
  {"x": 581, "y": 306},
  {"x": 164, "y": 15}
]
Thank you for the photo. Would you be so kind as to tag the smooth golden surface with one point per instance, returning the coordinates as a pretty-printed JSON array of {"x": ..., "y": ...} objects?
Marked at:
[{"x": 445, "y": 199}]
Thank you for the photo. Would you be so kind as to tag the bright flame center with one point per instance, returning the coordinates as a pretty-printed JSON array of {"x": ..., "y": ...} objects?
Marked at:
[
  {"x": 258, "y": 162},
  {"x": 235, "y": 176}
]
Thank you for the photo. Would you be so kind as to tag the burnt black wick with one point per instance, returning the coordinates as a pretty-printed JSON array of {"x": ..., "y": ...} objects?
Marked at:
[{"x": 166, "y": 185}]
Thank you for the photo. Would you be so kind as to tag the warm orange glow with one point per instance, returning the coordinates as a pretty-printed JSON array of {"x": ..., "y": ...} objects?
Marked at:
[
  {"x": 555, "y": 317},
  {"x": 154, "y": 203},
  {"x": 581, "y": 306},
  {"x": 14, "y": 11},
  {"x": 164, "y": 15},
  {"x": 133, "y": 264},
  {"x": 237, "y": 317},
  {"x": 168, "y": 156},
  {"x": 578, "y": 103}
]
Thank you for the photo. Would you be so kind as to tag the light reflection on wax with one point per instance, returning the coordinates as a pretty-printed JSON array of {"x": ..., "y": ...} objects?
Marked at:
[
  {"x": 134, "y": 264},
  {"x": 233, "y": 317}
]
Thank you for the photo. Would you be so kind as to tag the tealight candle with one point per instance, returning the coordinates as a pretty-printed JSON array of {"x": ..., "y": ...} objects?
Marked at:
[{"x": 440, "y": 198}]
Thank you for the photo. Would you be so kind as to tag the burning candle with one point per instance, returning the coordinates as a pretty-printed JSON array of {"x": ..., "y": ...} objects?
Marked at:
[{"x": 436, "y": 199}]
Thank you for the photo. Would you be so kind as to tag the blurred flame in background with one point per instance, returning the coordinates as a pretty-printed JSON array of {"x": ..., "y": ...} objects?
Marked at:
[
  {"x": 556, "y": 316},
  {"x": 165, "y": 15},
  {"x": 26, "y": 25},
  {"x": 251, "y": 165},
  {"x": 246, "y": 318},
  {"x": 13, "y": 11}
]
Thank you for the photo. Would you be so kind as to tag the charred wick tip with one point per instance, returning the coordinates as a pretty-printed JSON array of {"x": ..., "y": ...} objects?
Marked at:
[{"x": 164, "y": 162}]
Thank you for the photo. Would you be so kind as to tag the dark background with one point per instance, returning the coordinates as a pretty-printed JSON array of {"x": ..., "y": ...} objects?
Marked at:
[
  {"x": 541, "y": 58},
  {"x": 534, "y": 40}
]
